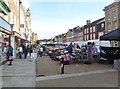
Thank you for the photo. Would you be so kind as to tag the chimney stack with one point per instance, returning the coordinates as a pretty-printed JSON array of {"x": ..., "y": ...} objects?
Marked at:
[{"x": 88, "y": 22}]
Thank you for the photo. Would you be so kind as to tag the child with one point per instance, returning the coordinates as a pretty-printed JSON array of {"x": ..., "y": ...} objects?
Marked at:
[{"x": 65, "y": 58}]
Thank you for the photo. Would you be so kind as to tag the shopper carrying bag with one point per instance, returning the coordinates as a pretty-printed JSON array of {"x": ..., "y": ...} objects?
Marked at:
[{"x": 10, "y": 55}]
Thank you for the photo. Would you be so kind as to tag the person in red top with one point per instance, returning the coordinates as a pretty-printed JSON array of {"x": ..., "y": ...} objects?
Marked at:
[{"x": 65, "y": 58}]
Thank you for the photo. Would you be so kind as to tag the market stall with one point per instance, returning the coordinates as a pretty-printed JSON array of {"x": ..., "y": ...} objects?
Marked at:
[{"x": 110, "y": 53}]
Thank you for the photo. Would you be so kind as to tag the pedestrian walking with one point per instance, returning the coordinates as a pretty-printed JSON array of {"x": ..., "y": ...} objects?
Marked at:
[
  {"x": 25, "y": 52},
  {"x": 10, "y": 54},
  {"x": 70, "y": 49},
  {"x": 44, "y": 50},
  {"x": 20, "y": 50},
  {"x": 41, "y": 51},
  {"x": 34, "y": 54}
]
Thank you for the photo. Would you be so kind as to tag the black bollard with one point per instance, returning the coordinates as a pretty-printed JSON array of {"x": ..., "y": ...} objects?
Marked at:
[{"x": 62, "y": 68}]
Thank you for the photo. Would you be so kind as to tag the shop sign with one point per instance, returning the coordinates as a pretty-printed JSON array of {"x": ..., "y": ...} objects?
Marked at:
[
  {"x": 5, "y": 25},
  {"x": 6, "y": 39}
]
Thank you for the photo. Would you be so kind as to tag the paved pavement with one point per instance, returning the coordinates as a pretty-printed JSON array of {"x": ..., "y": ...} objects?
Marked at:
[
  {"x": 23, "y": 74},
  {"x": 20, "y": 74},
  {"x": 98, "y": 79},
  {"x": 76, "y": 74}
]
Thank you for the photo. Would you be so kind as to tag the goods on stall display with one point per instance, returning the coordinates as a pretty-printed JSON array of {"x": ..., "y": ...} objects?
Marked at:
[{"x": 4, "y": 41}]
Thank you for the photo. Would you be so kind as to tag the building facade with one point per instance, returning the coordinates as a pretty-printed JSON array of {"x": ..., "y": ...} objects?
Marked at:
[
  {"x": 70, "y": 35},
  {"x": 77, "y": 34},
  {"x": 23, "y": 30},
  {"x": 5, "y": 29},
  {"x": 34, "y": 38},
  {"x": 59, "y": 38},
  {"x": 112, "y": 19},
  {"x": 28, "y": 26},
  {"x": 91, "y": 31},
  {"x": 14, "y": 20}
]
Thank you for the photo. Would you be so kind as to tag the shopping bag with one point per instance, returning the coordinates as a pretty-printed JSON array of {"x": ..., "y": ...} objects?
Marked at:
[
  {"x": 33, "y": 56},
  {"x": 28, "y": 54},
  {"x": 11, "y": 58}
]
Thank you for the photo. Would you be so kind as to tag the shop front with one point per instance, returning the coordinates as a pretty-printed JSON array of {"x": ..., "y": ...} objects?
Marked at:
[
  {"x": 5, "y": 32},
  {"x": 15, "y": 42}
]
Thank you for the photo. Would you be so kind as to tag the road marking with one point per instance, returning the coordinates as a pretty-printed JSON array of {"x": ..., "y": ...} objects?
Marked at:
[{"x": 73, "y": 75}]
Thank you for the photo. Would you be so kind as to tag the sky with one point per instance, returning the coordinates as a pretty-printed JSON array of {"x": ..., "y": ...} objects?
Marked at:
[{"x": 53, "y": 17}]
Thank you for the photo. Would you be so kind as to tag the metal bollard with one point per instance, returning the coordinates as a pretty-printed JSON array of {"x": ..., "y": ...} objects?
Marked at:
[{"x": 62, "y": 68}]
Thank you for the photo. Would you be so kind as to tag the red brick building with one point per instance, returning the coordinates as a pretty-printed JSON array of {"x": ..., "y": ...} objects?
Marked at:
[{"x": 91, "y": 30}]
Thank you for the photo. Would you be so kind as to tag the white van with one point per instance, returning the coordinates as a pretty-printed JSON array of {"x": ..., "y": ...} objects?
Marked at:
[{"x": 99, "y": 43}]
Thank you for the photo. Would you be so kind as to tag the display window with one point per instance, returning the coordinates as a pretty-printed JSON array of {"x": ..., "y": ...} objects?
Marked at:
[{"x": 4, "y": 42}]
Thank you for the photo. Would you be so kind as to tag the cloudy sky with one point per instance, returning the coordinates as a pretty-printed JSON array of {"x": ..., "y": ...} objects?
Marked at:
[{"x": 53, "y": 17}]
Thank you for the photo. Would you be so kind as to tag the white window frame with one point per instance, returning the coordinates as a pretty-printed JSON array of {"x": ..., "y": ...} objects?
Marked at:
[
  {"x": 114, "y": 14},
  {"x": 115, "y": 25},
  {"x": 91, "y": 36},
  {"x": 108, "y": 16},
  {"x": 87, "y": 30},
  {"x": 102, "y": 25},
  {"x": 109, "y": 27},
  {"x": 93, "y": 28},
  {"x": 87, "y": 37}
]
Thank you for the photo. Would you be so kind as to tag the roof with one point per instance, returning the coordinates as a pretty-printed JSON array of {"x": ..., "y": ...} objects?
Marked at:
[
  {"x": 93, "y": 23},
  {"x": 111, "y": 5}
]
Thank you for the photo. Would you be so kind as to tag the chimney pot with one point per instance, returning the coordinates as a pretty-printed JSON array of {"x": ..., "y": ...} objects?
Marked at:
[{"x": 88, "y": 21}]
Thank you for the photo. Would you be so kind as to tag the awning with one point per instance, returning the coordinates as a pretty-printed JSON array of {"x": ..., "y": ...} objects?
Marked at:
[
  {"x": 16, "y": 34},
  {"x": 5, "y": 31},
  {"x": 4, "y": 8},
  {"x": 113, "y": 35}
]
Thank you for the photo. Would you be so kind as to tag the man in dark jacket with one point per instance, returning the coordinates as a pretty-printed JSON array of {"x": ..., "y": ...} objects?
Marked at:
[
  {"x": 25, "y": 52},
  {"x": 70, "y": 48}
]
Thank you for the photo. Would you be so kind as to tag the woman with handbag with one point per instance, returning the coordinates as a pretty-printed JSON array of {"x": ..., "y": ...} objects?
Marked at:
[{"x": 10, "y": 54}]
